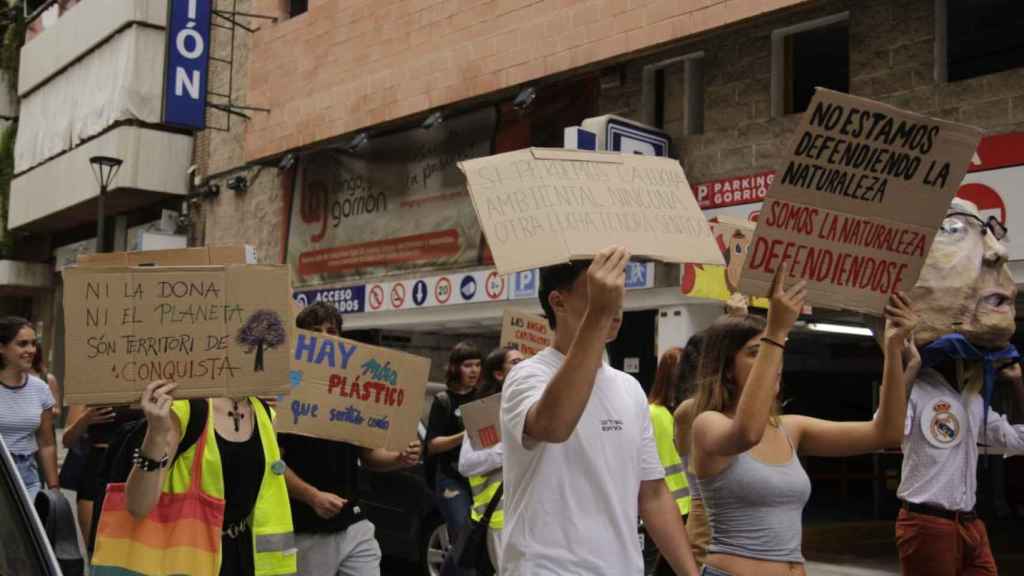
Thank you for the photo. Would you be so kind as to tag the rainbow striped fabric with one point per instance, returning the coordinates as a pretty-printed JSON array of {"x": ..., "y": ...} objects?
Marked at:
[{"x": 180, "y": 536}]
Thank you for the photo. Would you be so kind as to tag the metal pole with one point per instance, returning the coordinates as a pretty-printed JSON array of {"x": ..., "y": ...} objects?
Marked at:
[{"x": 101, "y": 243}]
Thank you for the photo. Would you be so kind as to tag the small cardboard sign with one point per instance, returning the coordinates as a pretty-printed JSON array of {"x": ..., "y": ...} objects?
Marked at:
[
  {"x": 856, "y": 201},
  {"x": 482, "y": 421},
  {"x": 545, "y": 206},
  {"x": 215, "y": 330},
  {"x": 527, "y": 333},
  {"x": 353, "y": 392}
]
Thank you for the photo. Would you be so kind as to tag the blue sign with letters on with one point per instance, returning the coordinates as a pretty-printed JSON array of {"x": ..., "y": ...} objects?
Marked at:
[
  {"x": 525, "y": 284},
  {"x": 631, "y": 138},
  {"x": 348, "y": 300},
  {"x": 188, "y": 60}
]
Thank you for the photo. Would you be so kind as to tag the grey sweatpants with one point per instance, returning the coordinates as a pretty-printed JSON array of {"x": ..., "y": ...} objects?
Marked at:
[{"x": 354, "y": 552}]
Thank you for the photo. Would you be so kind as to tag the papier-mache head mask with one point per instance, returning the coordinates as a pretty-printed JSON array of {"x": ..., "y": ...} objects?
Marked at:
[{"x": 965, "y": 284}]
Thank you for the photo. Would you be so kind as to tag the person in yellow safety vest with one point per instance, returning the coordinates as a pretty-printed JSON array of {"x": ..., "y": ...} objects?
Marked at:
[
  {"x": 483, "y": 467},
  {"x": 662, "y": 400},
  {"x": 243, "y": 467}
]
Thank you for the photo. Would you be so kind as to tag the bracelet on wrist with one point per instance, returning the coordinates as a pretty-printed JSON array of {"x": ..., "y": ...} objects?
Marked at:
[
  {"x": 147, "y": 464},
  {"x": 773, "y": 342}
]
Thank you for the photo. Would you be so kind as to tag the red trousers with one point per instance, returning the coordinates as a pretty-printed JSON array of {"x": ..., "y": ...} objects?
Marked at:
[{"x": 933, "y": 546}]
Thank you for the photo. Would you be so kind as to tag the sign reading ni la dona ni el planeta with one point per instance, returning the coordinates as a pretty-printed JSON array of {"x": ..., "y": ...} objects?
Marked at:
[
  {"x": 188, "y": 61},
  {"x": 353, "y": 392},
  {"x": 218, "y": 331},
  {"x": 856, "y": 201}
]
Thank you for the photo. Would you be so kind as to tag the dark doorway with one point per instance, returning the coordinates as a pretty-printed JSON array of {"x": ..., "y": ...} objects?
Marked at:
[{"x": 634, "y": 350}]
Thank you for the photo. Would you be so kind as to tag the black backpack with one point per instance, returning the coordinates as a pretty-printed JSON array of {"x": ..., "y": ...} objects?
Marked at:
[{"x": 117, "y": 464}]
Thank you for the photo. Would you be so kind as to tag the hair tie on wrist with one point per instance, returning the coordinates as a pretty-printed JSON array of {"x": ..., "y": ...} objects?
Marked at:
[{"x": 773, "y": 342}]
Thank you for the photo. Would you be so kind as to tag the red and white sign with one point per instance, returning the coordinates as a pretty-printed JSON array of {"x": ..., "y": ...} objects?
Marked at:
[
  {"x": 993, "y": 182},
  {"x": 443, "y": 290},
  {"x": 375, "y": 299},
  {"x": 734, "y": 191},
  {"x": 495, "y": 286},
  {"x": 397, "y": 295}
]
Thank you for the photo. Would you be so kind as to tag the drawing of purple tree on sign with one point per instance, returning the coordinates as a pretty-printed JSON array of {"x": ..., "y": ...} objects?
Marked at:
[{"x": 263, "y": 331}]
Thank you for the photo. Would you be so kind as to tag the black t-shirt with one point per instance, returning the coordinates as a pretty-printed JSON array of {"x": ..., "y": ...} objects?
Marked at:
[
  {"x": 328, "y": 466},
  {"x": 446, "y": 420}
]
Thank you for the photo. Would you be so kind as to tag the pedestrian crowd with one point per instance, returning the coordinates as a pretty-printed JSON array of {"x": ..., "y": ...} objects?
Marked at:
[{"x": 706, "y": 461}]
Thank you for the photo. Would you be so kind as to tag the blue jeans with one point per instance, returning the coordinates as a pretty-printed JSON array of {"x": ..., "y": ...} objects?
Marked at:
[
  {"x": 454, "y": 500},
  {"x": 28, "y": 469},
  {"x": 712, "y": 571}
]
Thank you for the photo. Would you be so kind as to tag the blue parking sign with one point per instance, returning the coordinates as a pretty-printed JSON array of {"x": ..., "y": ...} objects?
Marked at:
[{"x": 525, "y": 284}]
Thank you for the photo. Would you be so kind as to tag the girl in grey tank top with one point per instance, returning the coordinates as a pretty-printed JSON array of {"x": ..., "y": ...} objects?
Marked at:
[{"x": 755, "y": 509}]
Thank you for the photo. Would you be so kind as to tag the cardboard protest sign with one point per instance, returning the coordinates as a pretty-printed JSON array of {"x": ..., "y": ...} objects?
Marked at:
[
  {"x": 215, "y": 330},
  {"x": 856, "y": 201},
  {"x": 544, "y": 206},
  {"x": 353, "y": 392},
  {"x": 527, "y": 333},
  {"x": 482, "y": 421},
  {"x": 201, "y": 256}
]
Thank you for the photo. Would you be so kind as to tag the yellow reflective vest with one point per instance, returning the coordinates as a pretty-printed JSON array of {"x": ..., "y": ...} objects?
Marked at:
[
  {"x": 484, "y": 487},
  {"x": 273, "y": 540},
  {"x": 675, "y": 477}
]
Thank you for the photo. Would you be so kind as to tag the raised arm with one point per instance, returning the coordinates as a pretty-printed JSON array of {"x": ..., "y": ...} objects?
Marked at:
[
  {"x": 381, "y": 460},
  {"x": 163, "y": 433},
  {"x": 684, "y": 426},
  {"x": 718, "y": 435},
  {"x": 1000, "y": 433},
  {"x": 817, "y": 437},
  {"x": 554, "y": 416}
]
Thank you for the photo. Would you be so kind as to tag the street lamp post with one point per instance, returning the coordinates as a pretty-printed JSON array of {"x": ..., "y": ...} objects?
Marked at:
[{"x": 105, "y": 168}]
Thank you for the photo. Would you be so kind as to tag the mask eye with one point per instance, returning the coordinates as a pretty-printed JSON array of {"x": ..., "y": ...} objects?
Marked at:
[
  {"x": 954, "y": 228},
  {"x": 739, "y": 249}
]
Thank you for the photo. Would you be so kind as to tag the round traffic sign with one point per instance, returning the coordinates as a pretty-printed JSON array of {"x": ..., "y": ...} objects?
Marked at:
[
  {"x": 468, "y": 287},
  {"x": 419, "y": 293},
  {"x": 376, "y": 299},
  {"x": 397, "y": 295},
  {"x": 495, "y": 285},
  {"x": 443, "y": 290}
]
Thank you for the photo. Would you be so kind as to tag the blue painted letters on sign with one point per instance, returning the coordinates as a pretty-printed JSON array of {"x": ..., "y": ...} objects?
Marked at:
[{"x": 188, "y": 58}]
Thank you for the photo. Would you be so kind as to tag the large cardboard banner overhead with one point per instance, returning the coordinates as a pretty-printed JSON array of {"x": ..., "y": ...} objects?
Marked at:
[
  {"x": 482, "y": 419},
  {"x": 353, "y": 392},
  {"x": 397, "y": 202},
  {"x": 544, "y": 206},
  {"x": 215, "y": 330},
  {"x": 856, "y": 201},
  {"x": 527, "y": 333}
]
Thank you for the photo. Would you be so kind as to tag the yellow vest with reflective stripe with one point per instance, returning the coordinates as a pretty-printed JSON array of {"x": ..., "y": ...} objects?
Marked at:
[
  {"x": 675, "y": 478},
  {"x": 484, "y": 488},
  {"x": 273, "y": 540}
]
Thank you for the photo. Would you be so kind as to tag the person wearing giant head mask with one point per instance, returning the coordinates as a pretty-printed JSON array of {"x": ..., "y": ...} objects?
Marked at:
[{"x": 965, "y": 302}]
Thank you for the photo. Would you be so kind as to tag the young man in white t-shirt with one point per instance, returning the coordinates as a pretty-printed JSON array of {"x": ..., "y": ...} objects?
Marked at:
[{"x": 581, "y": 463}]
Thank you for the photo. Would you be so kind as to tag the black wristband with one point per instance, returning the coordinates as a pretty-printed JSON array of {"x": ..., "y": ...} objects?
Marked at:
[
  {"x": 773, "y": 342},
  {"x": 148, "y": 464}
]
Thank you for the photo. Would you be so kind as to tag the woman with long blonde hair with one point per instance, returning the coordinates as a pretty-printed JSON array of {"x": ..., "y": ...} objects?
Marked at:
[{"x": 745, "y": 453}]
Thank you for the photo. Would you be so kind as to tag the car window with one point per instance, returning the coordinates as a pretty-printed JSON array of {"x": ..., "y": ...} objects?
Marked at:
[{"x": 21, "y": 551}]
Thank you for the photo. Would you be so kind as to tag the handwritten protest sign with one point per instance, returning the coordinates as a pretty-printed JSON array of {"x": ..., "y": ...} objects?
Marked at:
[
  {"x": 856, "y": 201},
  {"x": 353, "y": 392},
  {"x": 482, "y": 421},
  {"x": 527, "y": 333},
  {"x": 215, "y": 330},
  {"x": 542, "y": 206}
]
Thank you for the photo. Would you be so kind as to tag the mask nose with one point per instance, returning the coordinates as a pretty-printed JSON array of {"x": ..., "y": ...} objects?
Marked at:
[{"x": 995, "y": 251}]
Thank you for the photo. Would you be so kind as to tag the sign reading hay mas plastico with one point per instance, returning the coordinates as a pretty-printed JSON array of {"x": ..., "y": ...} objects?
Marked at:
[
  {"x": 527, "y": 333},
  {"x": 353, "y": 392},
  {"x": 542, "y": 206},
  {"x": 856, "y": 201},
  {"x": 215, "y": 330}
]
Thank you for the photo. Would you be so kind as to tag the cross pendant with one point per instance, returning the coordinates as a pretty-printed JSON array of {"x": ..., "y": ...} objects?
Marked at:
[{"x": 236, "y": 416}]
